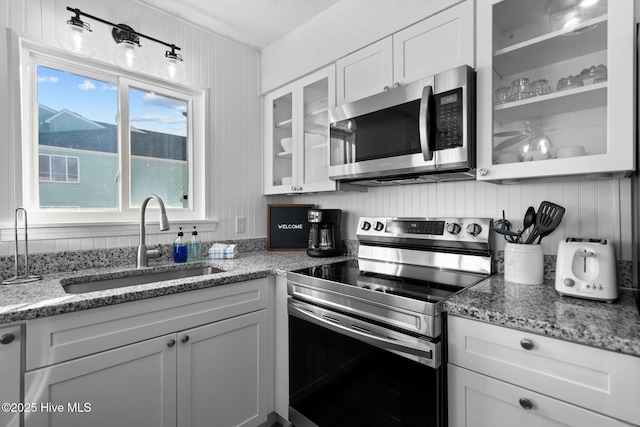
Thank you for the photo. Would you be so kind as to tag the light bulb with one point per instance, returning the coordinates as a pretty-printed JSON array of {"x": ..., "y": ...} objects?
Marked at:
[
  {"x": 76, "y": 38},
  {"x": 129, "y": 55},
  {"x": 172, "y": 68}
]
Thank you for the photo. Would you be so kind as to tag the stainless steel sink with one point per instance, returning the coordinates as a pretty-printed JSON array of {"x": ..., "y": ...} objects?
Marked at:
[{"x": 81, "y": 285}]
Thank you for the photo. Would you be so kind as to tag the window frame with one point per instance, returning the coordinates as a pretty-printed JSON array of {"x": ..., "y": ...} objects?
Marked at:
[{"x": 31, "y": 56}]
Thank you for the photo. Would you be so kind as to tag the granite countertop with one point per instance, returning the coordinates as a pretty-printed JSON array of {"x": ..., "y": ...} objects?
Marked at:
[
  {"x": 537, "y": 309},
  {"x": 47, "y": 297},
  {"x": 541, "y": 310}
]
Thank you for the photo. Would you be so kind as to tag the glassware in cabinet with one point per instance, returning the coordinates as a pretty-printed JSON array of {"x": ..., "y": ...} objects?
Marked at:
[{"x": 567, "y": 84}]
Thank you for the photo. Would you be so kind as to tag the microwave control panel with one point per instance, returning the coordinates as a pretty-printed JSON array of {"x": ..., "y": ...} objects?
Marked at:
[{"x": 449, "y": 132}]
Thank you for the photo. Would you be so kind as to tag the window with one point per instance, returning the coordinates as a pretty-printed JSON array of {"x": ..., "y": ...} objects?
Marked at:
[
  {"x": 133, "y": 136},
  {"x": 57, "y": 169}
]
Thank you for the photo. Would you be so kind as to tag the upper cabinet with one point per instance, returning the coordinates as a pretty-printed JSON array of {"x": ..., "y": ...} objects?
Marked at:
[
  {"x": 443, "y": 41},
  {"x": 555, "y": 89},
  {"x": 296, "y": 151}
]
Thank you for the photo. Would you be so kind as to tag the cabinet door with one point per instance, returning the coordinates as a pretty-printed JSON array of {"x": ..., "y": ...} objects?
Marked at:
[
  {"x": 439, "y": 43},
  {"x": 365, "y": 72},
  {"x": 555, "y": 100},
  {"x": 134, "y": 385},
  {"x": 479, "y": 401},
  {"x": 317, "y": 97},
  {"x": 222, "y": 373},
  {"x": 279, "y": 148},
  {"x": 10, "y": 372}
]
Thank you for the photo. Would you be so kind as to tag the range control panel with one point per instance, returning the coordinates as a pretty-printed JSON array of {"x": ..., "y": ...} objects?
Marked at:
[{"x": 449, "y": 229}]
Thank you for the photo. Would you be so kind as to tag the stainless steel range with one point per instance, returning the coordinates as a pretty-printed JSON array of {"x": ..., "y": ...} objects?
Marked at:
[{"x": 367, "y": 337}]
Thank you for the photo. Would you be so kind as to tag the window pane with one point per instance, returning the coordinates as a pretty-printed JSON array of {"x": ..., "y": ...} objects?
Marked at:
[
  {"x": 76, "y": 123},
  {"x": 72, "y": 169},
  {"x": 159, "y": 162},
  {"x": 44, "y": 172}
]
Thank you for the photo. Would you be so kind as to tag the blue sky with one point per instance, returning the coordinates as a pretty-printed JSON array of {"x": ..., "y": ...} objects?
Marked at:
[{"x": 97, "y": 100}]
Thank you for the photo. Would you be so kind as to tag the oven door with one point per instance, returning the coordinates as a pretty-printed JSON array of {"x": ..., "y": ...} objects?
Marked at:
[{"x": 347, "y": 372}]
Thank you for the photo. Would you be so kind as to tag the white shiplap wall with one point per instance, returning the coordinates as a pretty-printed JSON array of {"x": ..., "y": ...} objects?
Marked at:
[
  {"x": 229, "y": 70},
  {"x": 597, "y": 209}
]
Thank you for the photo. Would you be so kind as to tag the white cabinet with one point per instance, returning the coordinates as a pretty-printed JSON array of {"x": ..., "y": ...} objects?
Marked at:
[
  {"x": 296, "y": 135},
  {"x": 438, "y": 43},
  {"x": 499, "y": 376},
  {"x": 480, "y": 401},
  {"x": 365, "y": 72},
  {"x": 11, "y": 339},
  {"x": 178, "y": 360},
  {"x": 555, "y": 101}
]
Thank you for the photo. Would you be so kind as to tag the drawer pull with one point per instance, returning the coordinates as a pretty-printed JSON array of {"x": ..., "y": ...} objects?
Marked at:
[
  {"x": 185, "y": 338},
  {"x": 171, "y": 343},
  {"x": 526, "y": 344},
  {"x": 526, "y": 403},
  {"x": 7, "y": 339}
]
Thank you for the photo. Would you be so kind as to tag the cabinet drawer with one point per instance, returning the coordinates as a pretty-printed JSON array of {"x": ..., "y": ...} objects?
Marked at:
[
  {"x": 489, "y": 402},
  {"x": 67, "y": 336},
  {"x": 596, "y": 379}
]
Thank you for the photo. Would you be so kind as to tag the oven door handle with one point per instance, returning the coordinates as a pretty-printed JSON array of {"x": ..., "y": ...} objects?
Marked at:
[{"x": 361, "y": 333}]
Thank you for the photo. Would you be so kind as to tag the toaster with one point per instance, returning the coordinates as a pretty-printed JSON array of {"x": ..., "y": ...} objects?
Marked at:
[{"x": 587, "y": 268}]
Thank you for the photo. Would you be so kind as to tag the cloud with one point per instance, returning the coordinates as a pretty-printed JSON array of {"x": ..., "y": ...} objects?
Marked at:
[
  {"x": 159, "y": 118},
  {"x": 47, "y": 79},
  {"x": 151, "y": 99},
  {"x": 86, "y": 85}
]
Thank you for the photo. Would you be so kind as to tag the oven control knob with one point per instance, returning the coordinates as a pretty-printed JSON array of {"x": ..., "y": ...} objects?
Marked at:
[
  {"x": 366, "y": 225},
  {"x": 379, "y": 226},
  {"x": 453, "y": 228},
  {"x": 474, "y": 229}
]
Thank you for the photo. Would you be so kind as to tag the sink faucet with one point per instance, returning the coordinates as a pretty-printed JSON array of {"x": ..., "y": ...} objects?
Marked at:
[{"x": 143, "y": 253}]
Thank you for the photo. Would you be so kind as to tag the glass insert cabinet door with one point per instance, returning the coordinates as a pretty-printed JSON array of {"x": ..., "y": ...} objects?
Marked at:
[
  {"x": 296, "y": 135},
  {"x": 555, "y": 88}
]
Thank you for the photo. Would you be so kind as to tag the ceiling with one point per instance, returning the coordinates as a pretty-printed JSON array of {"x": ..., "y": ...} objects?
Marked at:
[{"x": 256, "y": 23}]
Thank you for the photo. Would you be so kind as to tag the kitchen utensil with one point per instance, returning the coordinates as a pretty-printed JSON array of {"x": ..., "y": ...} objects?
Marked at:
[
  {"x": 548, "y": 218},
  {"x": 587, "y": 268},
  {"x": 529, "y": 218}
]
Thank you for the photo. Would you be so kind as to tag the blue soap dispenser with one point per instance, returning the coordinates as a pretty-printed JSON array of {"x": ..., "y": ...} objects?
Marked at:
[{"x": 180, "y": 249}]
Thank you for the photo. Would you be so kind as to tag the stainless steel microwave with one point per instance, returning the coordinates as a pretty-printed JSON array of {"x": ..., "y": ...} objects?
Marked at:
[{"x": 420, "y": 132}]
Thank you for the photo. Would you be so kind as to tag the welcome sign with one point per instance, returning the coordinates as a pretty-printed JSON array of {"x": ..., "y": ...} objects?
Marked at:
[{"x": 288, "y": 227}]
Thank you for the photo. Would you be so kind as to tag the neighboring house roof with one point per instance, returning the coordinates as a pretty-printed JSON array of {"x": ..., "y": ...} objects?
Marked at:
[{"x": 72, "y": 131}]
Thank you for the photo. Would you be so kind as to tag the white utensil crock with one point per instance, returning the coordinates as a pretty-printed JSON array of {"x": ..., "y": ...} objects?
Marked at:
[{"x": 523, "y": 264}]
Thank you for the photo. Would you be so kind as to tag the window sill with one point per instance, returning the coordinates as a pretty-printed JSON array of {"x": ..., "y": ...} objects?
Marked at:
[{"x": 100, "y": 229}]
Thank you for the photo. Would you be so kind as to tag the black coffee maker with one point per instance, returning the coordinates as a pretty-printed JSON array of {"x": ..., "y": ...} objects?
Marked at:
[{"x": 325, "y": 239}]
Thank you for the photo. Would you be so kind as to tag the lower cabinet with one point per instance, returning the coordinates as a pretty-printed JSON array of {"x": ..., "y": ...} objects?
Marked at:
[
  {"x": 503, "y": 377},
  {"x": 11, "y": 339},
  {"x": 213, "y": 374},
  {"x": 477, "y": 400}
]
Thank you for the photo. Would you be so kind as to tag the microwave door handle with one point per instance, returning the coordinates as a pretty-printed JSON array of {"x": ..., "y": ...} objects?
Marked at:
[{"x": 425, "y": 122}]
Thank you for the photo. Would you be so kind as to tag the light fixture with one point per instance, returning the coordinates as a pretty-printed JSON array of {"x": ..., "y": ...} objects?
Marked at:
[
  {"x": 172, "y": 67},
  {"x": 76, "y": 38},
  {"x": 128, "y": 54}
]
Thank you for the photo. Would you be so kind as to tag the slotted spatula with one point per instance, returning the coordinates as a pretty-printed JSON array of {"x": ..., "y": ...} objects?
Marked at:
[{"x": 548, "y": 218}]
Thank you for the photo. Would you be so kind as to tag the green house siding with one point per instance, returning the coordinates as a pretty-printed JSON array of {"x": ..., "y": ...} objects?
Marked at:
[
  {"x": 98, "y": 189},
  {"x": 166, "y": 178}
]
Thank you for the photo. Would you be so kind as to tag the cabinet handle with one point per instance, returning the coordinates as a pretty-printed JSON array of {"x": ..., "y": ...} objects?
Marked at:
[
  {"x": 185, "y": 338},
  {"x": 526, "y": 403},
  {"x": 396, "y": 84},
  {"x": 7, "y": 339},
  {"x": 483, "y": 172},
  {"x": 526, "y": 344},
  {"x": 386, "y": 88},
  {"x": 171, "y": 343}
]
